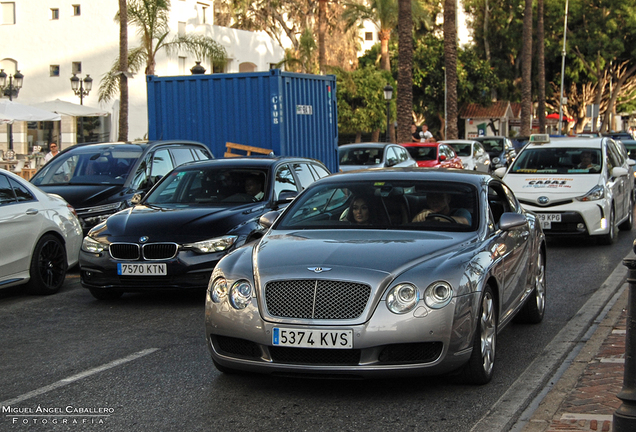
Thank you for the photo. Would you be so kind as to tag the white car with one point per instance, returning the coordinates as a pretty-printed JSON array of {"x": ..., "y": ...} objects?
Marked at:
[
  {"x": 577, "y": 186},
  {"x": 472, "y": 153},
  {"x": 40, "y": 236}
]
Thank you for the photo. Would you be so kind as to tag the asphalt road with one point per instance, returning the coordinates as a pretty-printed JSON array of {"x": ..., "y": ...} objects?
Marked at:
[{"x": 70, "y": 362}]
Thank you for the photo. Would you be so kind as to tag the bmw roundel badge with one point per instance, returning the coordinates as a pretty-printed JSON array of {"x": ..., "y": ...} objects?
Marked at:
[{"x": 143, "y": 239}]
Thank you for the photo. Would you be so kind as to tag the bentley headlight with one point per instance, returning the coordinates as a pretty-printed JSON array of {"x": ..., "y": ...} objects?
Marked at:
[
  {"x": 402, "y": 298},
  {"x": 438, "y": 294},
  {"x": 596, "y": 193},
  {"x": 241, "y": 294},
  {"x": 92, "y": 246},
  {"x": 217, "y": 244},
  {"x": 218, "y": 290}
]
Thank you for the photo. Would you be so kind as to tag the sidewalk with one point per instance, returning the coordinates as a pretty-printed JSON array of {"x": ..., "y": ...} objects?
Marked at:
[{"x": 584, "y": 398}]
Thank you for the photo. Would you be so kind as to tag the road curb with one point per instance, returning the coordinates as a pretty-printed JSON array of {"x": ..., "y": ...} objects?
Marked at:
[
  {"x": 517, "y": 406},
  {"x": 552, "y": 402}
]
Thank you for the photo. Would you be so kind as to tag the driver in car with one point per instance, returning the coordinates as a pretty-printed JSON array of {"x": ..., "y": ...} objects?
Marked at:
[{"x": 440, "y": 209}]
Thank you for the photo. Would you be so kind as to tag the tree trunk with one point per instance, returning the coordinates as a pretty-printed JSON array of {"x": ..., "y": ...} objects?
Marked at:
[
  {"x": 405, "y": 72},
  {"x": 385, "y": 63},
  {"x": 123, "y": 70},
  {"x": 541, "y": 66},
  {"x": 450, "y": 64},
  {"x": 322, "y": 29},
  {"x": 526, "y": 72}
]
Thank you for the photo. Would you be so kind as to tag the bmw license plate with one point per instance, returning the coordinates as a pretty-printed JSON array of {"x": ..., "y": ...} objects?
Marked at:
[
  {"x": 305, "y": 338},
  {"x": 547, "y": 219},
  {"x": 141, "y": 269}
]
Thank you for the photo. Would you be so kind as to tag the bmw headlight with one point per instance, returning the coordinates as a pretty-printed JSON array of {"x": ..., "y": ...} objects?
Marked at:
[
  {"x": 240, "y": 294},
  {"x": 92, "y": 246},
  {"x": 438, "y": 294},
  {"x": 596, "y": 193},
  {"x": 218, "y": 290},
  {"x": 217, "y": 244},
  {"x": 402, "y": 298}
]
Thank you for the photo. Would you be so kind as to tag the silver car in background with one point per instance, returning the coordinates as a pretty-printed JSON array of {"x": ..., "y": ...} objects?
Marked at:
[
  {"x": 373, "y": 155},
  {"x": 473, "y": 155},
  {"x": 380, "y": 273}
]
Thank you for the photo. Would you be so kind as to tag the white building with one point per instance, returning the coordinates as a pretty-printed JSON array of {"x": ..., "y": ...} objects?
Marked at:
[{"x": 50, "y": 41}]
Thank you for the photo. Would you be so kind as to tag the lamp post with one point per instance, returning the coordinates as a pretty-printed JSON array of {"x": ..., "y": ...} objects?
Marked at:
[
  {"x": 81, "y": 88},
  {"x": 624, "y": 418},
  {"x": 11, "y": 90},
  {"x": 388, "y": 94},
  {"x": 563, "y": 53}
]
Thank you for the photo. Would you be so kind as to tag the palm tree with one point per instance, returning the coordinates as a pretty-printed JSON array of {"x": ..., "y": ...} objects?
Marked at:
[
  {"x": 123, "y": 69},
  {"x": 150, "y": 17},
  {"x": 405, "y": 71},
  {"x": 450, "y": 64},
  {"x": 526, "y": 72},
  {"x": 384, "y": 14},
  {"x": 541, "y": 66}
]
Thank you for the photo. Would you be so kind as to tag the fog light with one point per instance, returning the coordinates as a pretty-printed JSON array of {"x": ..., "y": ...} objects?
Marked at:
[{"x": 581, "y": 226}]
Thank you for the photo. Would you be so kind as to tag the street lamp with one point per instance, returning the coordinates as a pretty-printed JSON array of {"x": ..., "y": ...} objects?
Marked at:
[
  {"x": 81, "y": 87},
  {"x": 11, "y": 90},
  {"x": 388, "y": 94}
]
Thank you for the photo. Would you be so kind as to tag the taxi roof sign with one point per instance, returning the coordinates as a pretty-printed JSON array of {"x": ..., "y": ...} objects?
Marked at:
[{"x": 539, "y": 138}]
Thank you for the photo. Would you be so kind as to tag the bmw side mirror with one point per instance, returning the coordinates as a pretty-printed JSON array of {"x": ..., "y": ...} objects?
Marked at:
[
  {"x": 268, "y": 219},
  {"x": 286, "y": 196}
]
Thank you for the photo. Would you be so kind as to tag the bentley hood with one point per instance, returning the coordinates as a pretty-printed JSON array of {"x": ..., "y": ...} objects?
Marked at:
[{"x": 367, "y": 255}]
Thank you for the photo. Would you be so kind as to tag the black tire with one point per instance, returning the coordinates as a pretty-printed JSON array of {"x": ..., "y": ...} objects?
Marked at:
[
  {"x": 610, "y": 237},
  {"x": 105, "y": 294},
  {"x": 627, "y": 224},
  {"x": 480, "y": 367},
  {"x": 48, "y": 266},
  {"x": 533, "y": 310}
]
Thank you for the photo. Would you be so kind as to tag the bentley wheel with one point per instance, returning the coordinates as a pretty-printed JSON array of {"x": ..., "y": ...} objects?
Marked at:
[
  {"x": 479, "y": 369},
  {"x": 48, "y": 266}
]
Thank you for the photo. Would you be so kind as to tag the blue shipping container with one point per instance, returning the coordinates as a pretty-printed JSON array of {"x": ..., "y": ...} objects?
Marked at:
[{"x": 290, "y": 113}]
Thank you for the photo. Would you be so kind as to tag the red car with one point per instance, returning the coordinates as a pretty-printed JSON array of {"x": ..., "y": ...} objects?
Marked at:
[{"x": 434, "y": 155}]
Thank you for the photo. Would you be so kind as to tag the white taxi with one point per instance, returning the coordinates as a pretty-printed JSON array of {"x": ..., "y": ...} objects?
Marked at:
[{"x": 577, "y": 186}]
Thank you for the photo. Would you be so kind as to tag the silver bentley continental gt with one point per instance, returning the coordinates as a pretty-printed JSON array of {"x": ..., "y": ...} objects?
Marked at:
[{"x": 380, "y": 273}]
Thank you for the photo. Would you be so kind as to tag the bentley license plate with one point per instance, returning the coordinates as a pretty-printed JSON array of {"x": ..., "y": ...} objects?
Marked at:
[
  {"x": 306, "y": 338},
  {"x": 547, "y": 219},
  {"x": 141, "y": 269}
]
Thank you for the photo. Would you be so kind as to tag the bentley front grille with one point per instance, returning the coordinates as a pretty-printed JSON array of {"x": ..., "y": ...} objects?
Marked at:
[
  {"x": 316, "y": 299},
  {"x": 150, "y": 251}
]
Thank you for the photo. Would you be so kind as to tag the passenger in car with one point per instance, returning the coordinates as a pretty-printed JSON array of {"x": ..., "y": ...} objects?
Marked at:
[
  {"x": 439, "y": 204},
  {"x": 361, "y": 211},
  {"x": 586, "y": 161},
  {"x": 254, "y": 187}
]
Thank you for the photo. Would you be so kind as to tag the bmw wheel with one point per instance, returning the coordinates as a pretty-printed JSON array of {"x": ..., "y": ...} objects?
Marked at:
[
  {"x": 479, "y": 369},
  {"x": 48, "y": 266}
]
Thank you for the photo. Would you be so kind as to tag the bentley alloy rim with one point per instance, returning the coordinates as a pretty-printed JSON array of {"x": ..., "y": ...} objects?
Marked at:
[{"x": 488, "y": 332}]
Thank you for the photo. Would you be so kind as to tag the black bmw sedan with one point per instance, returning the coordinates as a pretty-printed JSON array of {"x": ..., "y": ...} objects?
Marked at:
[{"x": 196, "y": 214}]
